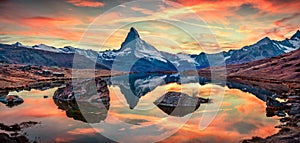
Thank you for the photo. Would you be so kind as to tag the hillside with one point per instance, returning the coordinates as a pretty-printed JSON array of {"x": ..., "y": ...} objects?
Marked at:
[{"x": 278, "y": 74}]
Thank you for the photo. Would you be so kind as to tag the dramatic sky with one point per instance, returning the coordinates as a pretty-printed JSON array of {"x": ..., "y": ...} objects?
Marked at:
[{"x": 233, "y": 24}]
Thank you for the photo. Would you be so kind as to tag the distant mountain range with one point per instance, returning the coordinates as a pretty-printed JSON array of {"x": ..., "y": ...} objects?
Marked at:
[{"x": 137, "y": 55}]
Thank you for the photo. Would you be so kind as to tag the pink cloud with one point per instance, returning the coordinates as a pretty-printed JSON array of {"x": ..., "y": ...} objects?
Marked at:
[{"x": 86, "y": 3}]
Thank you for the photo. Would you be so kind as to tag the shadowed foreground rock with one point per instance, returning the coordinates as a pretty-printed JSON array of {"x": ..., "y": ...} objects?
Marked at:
[
  {"x": 86, "y": 100},
  {"x": 179, "y": 104}
]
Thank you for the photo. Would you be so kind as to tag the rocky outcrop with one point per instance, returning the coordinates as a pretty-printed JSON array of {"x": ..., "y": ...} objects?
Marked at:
[
  {"x": 90, "y": 90},
  {"x": 285, "y": 135},
  {"x": 85, "y": 100},
  {"x": 290, "y": 125},
  {"x": 179, "y": 104}
]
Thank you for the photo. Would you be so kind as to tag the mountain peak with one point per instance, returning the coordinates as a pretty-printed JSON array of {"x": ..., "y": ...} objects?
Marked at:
[
  {"x": 264, "y": 40},
  {"x": 134, "y": 32},
  {"x": 296, "y": 35},
  {"x": 132, "y": 35},
  {"x": 17, "y": 44}
]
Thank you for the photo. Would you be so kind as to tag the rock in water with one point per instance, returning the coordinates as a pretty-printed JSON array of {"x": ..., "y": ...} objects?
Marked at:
[
  {"x": 84, "y": 90},
  {"x": 86, "y": 100},
  {"x": 11, "y": 100},
  {"x": 179, "y": 104}
]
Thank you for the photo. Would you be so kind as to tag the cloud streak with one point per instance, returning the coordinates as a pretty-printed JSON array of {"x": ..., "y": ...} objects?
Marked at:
[
  {"x": 286, "y": 19},
  {"x": 86, "y": 3}
]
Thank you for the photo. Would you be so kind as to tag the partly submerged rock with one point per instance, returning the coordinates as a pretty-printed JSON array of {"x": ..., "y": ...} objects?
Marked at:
[
  {"x": 11, "y": 100},
  {"x": 179, "y": 104},
  {"x": 88, "y": 90},
  {"x": 86, "y": 100}
]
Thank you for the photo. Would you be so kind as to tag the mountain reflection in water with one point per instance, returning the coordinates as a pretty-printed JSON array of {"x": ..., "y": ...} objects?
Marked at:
[
  {"x": 88, "y": 112},
  {"x": 241, "y": 114},
  {"x": 134, "y": 86}
]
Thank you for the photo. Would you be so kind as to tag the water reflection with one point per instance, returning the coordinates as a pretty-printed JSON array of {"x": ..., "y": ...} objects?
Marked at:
[
  {"x": 241, "y": 115},
  {"x": 134, "y": 86},
  {"x": 89, "y": 112},
  {"x": 13, "y": 132}
]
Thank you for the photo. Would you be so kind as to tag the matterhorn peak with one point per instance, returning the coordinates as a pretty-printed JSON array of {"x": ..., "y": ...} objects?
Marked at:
[
  {"x": 134, "y": 32},
  {"x": 132, "y": 35}
]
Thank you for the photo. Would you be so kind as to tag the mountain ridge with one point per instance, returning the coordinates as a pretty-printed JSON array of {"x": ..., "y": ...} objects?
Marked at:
[
  {"x": 293, "y": 37},
  {"x": 136, "y": 49}
]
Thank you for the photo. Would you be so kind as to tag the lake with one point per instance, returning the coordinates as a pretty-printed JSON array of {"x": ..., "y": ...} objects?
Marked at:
[{"x": 240, "y": 114}]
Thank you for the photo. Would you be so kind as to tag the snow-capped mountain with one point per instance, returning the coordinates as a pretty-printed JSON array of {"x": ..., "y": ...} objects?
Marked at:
[
  {"x": 137, "y": 55},
  {"x": 264, "y": 48},
  {"x": 141, "y": 56}
]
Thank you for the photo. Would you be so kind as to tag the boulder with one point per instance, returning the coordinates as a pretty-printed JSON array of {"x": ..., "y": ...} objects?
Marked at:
[
  {"x": 86, "y": 100},
  {"x": 89, "y": 90},
  {"x": 179, "y": 104},
  {"x": 11, "y": 100}
]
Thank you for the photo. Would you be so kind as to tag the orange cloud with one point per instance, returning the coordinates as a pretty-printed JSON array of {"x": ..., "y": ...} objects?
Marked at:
[
  {"x": 84, "y": 131},
  {"x": 279, "y": 22},
  {"x": 49, "y": 27},
  {"x": 86, "y": 3}
]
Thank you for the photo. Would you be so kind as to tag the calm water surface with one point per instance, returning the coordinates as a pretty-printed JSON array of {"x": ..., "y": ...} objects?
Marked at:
[{"x": 241, "y": 115}]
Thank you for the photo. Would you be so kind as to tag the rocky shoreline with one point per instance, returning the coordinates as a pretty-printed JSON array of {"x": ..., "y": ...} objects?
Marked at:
[
  {"x": 289, "y": 111},
  {"x": 279, "y": 75},
  {"x": 26, "y": 77}
]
